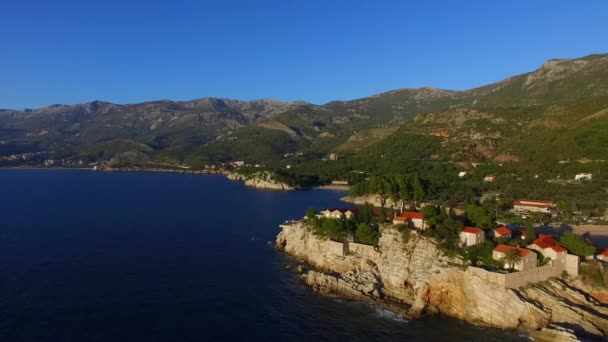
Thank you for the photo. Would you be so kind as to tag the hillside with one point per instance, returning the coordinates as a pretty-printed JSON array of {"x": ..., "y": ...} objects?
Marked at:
[{"x": 556, "y": 113}]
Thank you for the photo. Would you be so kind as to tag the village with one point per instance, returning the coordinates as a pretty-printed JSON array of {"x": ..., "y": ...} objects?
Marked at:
[{"x": 515, "y": 256}]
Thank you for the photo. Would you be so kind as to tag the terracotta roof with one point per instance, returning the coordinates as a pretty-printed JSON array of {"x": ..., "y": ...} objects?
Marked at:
[
  {"x": 536, "y": 201},
  {"x": 544, "y": 241},
  {"x": 471, "y": 230},
  {"x": 410, "y": 215},
  {"x": 605, "y": 252},
  {"x": 519, "y": 203},
  {"x": 505, "y": 249},
  {"x": 559, "y": 249},
  {"x": 503, "y": 230}
]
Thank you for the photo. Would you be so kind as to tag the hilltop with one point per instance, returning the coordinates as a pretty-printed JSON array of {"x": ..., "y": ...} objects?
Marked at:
[{"x": 555, "y": 113}]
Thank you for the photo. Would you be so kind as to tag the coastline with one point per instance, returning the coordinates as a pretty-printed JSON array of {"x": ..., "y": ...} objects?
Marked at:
[
  {"x": 413, "y": 278},
  {"x": 332, "y": 187}
]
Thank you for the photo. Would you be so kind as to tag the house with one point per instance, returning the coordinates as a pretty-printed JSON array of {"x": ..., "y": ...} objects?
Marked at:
[
  {"x": 462, "y": 174},
  {"x": 527, "y": 205},
  {"x": 502, "y": 232},
  {"x": 339, "y": 182},
  {"x": 548, "y": 247},
  {"x": 410, "y": 219},
  {"x": 489, "y": 178},
  {"x": 388, "y": 216},
  {"x": 603, "y": 256},
  {"x": 527, "y": 258},
  {"x": 583, "y": 176},
  {"x": 339, "y": 213},
  {"x": 471, "y": 236}
]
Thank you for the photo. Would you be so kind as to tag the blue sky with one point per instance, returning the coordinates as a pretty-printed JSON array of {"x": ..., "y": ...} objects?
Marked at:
[{"x": 317, "y": 51}]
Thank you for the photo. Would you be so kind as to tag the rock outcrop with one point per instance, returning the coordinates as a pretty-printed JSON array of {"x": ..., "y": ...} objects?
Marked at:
[
  {"x": 260, "y": 180},
  {"x": 417, "y": 276}
]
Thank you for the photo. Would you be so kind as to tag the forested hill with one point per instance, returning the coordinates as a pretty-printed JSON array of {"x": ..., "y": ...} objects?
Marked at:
[{"x": 556, "y": 113}]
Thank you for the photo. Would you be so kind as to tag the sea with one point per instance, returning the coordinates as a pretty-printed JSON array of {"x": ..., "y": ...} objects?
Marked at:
[{"x": 154, "y": 256}]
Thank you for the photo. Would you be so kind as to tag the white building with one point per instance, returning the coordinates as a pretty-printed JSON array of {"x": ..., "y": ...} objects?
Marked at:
[
  {"x": 603, "y": 256},
  {"x": 339, "y": 213},
  {"x": 502, "y": 232},
  {"x": 527, "y": 258},
  {"x": 527, "y": 205},
  {"x": 471, "y": 236},
  {"x": 411, "y": 219},
  {"x": 583, "y": 176}
]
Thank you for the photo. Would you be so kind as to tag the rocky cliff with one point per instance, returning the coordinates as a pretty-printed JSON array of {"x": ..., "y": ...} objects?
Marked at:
[
  {"x": 416, "y": 276},
  {"x": 260, "y": 180}
]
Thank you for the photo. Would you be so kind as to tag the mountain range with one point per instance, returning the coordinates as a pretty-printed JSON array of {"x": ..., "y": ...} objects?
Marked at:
[{"x": 558, "y": 112}]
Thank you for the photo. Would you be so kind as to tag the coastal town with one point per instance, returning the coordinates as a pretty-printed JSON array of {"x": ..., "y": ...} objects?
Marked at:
[
  {"x": 514, "y": 248},
  {"x": 389, "y": 254}
]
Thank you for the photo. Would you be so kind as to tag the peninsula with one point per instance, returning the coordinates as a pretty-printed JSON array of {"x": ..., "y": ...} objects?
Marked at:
[{"x": 399, "y": 261}]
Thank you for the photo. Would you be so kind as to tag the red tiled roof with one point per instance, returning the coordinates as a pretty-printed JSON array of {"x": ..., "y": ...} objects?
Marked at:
[
  {"x": 377, "y": 214},
  {"x": 605, "y": 252},
  {"x": 505, "y": 249},
  {"x": 519, "y": 203},
  {"x": 503, "y": 230},
  {"x": 544, "y": 241},
  {"x": 410, "y": 215},
  {"x": 559, "y": 249},
  {"x": 471, "y": 230},
  {"x": 536, "y": 201}
]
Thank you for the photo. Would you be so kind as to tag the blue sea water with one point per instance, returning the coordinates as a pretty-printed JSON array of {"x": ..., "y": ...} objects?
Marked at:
[{"x": 143, "y": 256}]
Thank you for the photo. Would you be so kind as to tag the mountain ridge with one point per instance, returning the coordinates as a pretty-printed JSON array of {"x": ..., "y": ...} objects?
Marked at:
[{"x": 211, "y": 129}]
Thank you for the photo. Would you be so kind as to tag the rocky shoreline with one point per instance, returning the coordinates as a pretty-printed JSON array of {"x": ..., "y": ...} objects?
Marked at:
[
  {"x": 260, "y": 180},
  {"x": 414, "y": 278}
]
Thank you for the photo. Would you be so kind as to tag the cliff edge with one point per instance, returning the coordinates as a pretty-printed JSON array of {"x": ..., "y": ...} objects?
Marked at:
[
  {"x": 416, "y": 276},
  {"x": 260, "y": 180}
]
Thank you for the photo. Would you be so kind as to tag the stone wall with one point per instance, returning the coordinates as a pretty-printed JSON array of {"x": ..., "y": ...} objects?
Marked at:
[
  {"x": 417, "y": 274},
  {"x": 364, "y": 251},
  {"x": 571, "y": 265},
  {"x": 336, "y": 248},
  {"x": 515, "y": 280}
]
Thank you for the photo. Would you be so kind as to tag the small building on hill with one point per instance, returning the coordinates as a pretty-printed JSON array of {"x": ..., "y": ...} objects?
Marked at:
[
  {"x": 489, "y": 178},
  {"x": 539, "y": 206},
  {"x": 502, "y": 232},
  {"x": 548, "y": 247},
  {"x": 583, "y": 176},
  {"x": 339, "y": 213},
  {"x": 603, "y": 256},
  {"x": 527, "y": 258},
  {"x": 411, "y": 219},
  {"x": 471, "y": 236}
]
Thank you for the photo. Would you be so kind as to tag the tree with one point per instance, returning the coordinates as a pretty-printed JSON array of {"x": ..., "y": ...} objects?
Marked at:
[
  {"x": 311, "y": 213},
  {"x": 511, "y": 258},
  {"x": 530, "y": 232},
  {"x": 479, "y": 216},
  {"x": 367, "y": 234},
  {"x": 563, "y": 205},
  {"x": 481, "y": 253},
  {"x": 366, "y": 213},
  {"x": 576, "y": 245},
  {"x": 432, "y": 215}
]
